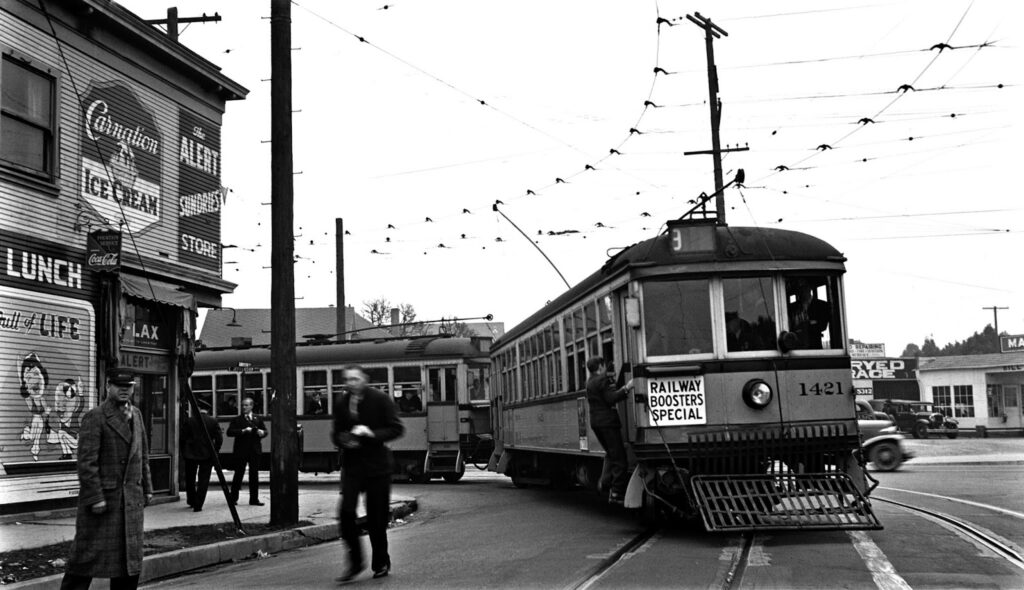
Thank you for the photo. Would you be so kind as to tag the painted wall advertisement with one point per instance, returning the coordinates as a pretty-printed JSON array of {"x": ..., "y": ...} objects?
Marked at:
[
  {"x": 47, "y": 348},
  {"x": 201, "y": 195},
  {"x": 121, "y": 143}
]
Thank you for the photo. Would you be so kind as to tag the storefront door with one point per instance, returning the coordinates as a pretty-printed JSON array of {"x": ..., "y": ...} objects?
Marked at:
[
  {"x": 151, "y": 397},
  {"x": 1012, "y": 407}
]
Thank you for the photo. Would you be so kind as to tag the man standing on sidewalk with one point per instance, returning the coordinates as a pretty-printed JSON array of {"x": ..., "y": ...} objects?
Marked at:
[
  {"x": 199, "y": 456},
  {"x": 248, "y": 430},
  {"x": 365, "y": 419},
  {"x": 114, "y": 487}
]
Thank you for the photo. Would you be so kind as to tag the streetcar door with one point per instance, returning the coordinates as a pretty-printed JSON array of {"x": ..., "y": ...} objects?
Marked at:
[{"x": 442, "y": 404}]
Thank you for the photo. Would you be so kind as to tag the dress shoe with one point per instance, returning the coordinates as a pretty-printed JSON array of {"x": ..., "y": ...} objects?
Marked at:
[
  {"x": 197, "y": 509},
  {"x": 380, "y": 573},
  {"x": 351, "y": 574},
  {"x": 256, "y": 503}
]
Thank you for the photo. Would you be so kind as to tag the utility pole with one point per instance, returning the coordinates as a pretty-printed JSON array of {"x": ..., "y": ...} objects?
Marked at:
[
  {"x": 995, "y": 318},
  {"x": 711, "y": 31},
  {"x": 172, "y": 21},
  {"x": 339, "y": 271},
  {"x": 284, "y": 448}
]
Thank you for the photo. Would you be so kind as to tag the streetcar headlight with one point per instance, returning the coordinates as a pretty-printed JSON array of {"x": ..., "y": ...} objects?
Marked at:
[{"x": 757, "y": 394}]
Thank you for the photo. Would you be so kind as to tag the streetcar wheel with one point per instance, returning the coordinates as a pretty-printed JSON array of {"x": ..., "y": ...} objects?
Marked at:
[
  {"x": 453, "y": 477},
  {"x": 920, "y": 430},
  {"x": 419, "y": 477},
  {"x": 886, "y": 456}
]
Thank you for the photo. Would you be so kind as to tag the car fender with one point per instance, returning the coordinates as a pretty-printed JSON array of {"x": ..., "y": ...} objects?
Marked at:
[{"x": 896, "y": 438}]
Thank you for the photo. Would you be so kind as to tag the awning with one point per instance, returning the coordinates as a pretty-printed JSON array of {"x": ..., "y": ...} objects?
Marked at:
[{"x": 154, "y": 290}]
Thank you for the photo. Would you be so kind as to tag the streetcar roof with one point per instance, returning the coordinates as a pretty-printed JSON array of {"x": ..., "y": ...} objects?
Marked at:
[
  {"x": 409, "y": 349},
  {"x": 734, "y": 246}
]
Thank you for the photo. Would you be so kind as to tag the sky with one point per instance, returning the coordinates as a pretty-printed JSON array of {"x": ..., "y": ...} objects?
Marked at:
[{"x": 890, "y": 129}]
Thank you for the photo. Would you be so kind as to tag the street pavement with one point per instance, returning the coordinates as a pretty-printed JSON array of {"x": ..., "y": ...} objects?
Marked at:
[{"x": 318, "y": 503}]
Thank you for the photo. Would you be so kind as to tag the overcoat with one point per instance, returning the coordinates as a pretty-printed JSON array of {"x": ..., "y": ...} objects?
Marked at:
[
  {"x": 113, "y": 465},
  {"x": 247, "y": 444},
  {"x": 376, "y": 410},
  {"x": 195, "y": 447}
]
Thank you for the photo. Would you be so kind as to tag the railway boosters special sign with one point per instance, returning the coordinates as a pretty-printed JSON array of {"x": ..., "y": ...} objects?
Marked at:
[{"x": 676, "y": 401}]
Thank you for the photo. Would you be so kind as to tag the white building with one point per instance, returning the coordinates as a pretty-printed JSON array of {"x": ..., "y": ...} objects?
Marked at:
[{"x": 982, "y": 389}]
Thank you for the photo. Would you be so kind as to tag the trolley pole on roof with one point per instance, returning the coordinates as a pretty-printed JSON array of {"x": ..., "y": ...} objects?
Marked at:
[
  {"x": 284, "y": 446},
  {"x": 711, "y": 31}
]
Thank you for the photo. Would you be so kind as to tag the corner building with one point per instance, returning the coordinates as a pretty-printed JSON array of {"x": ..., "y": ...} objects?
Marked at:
[{"x": 110, "y": 188}]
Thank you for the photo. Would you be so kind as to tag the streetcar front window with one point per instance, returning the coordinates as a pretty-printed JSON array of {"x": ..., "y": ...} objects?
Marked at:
[
  {"x": 814, "y": 314},
  {"x": 749, "y": 314},
  {"x": 677, "y": 317}
]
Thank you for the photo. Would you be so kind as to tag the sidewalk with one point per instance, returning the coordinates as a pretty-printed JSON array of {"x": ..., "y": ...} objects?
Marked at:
[{"x": 318, "y": 503}]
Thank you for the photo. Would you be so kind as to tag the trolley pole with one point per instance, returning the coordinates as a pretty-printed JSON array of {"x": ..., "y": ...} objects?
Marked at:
[
  {"x": 284, "y": 455},
  {"x": 711, "y": 31}
]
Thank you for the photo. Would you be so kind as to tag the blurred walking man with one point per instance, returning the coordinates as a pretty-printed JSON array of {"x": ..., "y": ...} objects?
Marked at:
[{"x": 365, "y": 419}]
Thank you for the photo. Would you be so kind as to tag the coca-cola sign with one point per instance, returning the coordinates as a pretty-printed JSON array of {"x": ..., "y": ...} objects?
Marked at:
[{"x": 104, "y": 250}]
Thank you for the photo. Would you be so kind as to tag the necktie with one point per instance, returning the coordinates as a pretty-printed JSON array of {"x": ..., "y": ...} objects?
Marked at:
[{"x": 127, "y": 411}]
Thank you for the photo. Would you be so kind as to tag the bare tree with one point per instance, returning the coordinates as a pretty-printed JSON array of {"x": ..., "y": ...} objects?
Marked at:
[{"x": 377, "y": 311}]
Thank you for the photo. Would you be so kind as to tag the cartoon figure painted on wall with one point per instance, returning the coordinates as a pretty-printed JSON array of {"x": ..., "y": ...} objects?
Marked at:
[
  {"x": 34, "y": 379},
  {"x": 67, "y": 401}
]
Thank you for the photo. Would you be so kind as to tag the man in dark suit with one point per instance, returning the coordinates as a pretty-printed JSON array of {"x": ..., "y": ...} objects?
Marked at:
[
  {"x": 365, "y": 419},
  {"x": 198, "y": 456},
  {"x": 113, "y": 488},
  {"x": 248, "y": 430}
]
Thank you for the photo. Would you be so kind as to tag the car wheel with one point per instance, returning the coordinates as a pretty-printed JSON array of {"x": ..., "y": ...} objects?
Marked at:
[
  {"x": 920, "y": 430},
  {"x": 886, "y": 456},
  {"x": 952, "y": 431}
]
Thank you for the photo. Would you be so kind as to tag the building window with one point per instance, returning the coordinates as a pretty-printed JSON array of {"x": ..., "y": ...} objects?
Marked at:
[
  {"x": 27, "y": 117},
  {"x": 942, "y": 398},
  {"x": 963, "y": 401}
]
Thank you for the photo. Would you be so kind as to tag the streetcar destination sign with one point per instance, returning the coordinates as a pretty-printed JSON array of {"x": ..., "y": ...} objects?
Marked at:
[{"x": 676, "y": 401}]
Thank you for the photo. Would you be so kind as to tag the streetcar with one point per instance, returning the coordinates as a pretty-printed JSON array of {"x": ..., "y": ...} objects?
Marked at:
[
  {"x": 742, "y": 411},
  {"x": 439, "y": 385}
]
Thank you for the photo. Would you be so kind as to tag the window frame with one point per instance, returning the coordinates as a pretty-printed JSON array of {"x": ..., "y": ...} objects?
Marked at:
[{"x": 51, "y": 156}]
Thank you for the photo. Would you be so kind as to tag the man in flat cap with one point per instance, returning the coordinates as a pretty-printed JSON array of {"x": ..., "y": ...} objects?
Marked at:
[{"x": 114, "y": 487}]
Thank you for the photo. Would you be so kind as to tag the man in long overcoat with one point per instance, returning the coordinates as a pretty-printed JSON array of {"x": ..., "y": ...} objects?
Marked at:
[{"x": 114, "y": 488}]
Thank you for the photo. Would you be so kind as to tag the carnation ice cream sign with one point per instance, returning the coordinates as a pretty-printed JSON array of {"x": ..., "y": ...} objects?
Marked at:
[{"x": 120, "y": 172}]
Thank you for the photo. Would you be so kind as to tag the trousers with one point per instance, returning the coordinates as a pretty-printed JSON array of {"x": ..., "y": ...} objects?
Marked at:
[
  {"x": 378, "y": 513},
  {"x": 253, "y": 463},
  {"x": 613, "y": 478}
]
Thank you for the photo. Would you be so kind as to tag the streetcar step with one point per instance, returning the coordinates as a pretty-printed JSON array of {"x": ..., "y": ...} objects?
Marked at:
[{"x": 792, "y": 501}]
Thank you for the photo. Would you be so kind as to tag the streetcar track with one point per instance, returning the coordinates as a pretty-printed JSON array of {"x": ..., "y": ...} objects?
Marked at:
[
  {"x": 627, "y": 549},
  {"x": 976, "y": 534}
]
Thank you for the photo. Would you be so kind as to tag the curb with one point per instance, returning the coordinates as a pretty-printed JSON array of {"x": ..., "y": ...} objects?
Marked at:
[{"x": 172, "y": 563}]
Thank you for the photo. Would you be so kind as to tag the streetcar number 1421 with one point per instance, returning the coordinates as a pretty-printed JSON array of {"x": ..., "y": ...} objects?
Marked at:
[{"x": 826, "y": 388}]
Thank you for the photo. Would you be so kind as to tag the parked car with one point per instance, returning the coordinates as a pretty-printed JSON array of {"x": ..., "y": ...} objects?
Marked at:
[
  {"x": 881, "y": 444},
  {"x": 921, "y": 419}
]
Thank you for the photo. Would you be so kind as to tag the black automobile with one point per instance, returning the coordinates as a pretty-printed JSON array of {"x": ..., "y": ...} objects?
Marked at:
[{"x": 921, "y": 419}]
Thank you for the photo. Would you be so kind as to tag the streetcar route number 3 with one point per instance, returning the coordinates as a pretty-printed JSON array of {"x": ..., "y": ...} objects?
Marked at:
[{"x": 826, "y": 388}]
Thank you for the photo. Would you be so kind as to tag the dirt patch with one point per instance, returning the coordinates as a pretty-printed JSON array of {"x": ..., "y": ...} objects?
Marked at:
[{"x": 38, "y": 562}]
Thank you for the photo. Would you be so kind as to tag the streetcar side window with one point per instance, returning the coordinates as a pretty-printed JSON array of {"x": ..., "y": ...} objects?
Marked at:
[
  {"x": 314, "y": 392},
  {"x": 202, "y": 387},
  {"x": 252, "y": 386},
  {"x": 409, "y": 379},
  {"x": 226, "y": 394},
  {"x": 677, "y": 317},
  {"x": 476, "y": 383},
  {"x": 749, "y": 314},
  {"x": 376, "y": 377},
  {"x": 813, "y": 313}
]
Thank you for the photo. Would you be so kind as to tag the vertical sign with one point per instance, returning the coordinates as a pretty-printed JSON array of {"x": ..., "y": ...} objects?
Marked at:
[
  {"x": 200, "y": 193},
  {"x": 120, "y": 169},
  {"x": 104, "y": 250}
]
